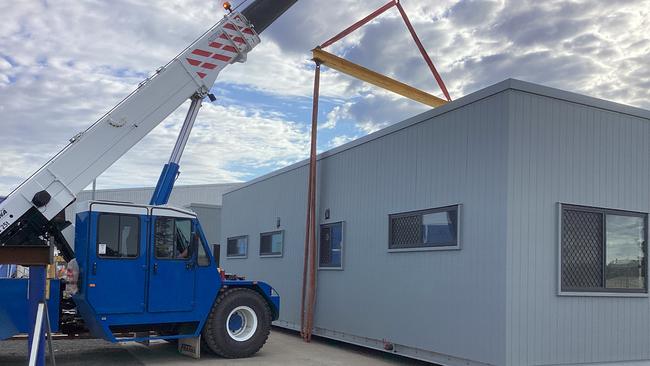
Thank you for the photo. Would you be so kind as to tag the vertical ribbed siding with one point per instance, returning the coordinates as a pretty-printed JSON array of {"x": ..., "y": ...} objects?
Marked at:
[
  {"x": 451, "y": 302},
  {"x": 254, "y": 210},
  {"x": 569, "y": 153}
]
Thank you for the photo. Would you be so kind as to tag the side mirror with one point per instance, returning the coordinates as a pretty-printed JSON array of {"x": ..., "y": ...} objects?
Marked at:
[
  {"x": 194, "y": 245},
  {"x": 216, "y": 253}
]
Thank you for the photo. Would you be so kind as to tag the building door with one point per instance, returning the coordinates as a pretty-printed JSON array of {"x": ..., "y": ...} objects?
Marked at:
[
  {"x": 172, "y": 268},
  {"x": 117, "y": 259}
]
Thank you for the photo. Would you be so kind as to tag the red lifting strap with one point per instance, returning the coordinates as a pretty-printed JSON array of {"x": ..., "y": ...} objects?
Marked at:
[
  {"x": 359, "y": 24},
  {"x": 380, "y": 11}
]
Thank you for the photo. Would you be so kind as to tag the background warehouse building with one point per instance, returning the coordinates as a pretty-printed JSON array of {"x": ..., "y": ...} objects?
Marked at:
[
  {"x": 203, "y": 199},
  {"x": 508, "y": 227}
]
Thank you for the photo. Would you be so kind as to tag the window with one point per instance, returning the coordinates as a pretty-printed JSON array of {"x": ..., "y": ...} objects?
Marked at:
[
  {"x": 271, "y": 244},
  {"x": 427, "y": 229},
  {"x": 173, "y": 237},
  {"x": 603, "y": 250},
  {"x": 330, "y": 254},
  {"x": 202, "y": 258},
  {"x": 118, "y": 236},
  {"x": 237, "y": 247}
]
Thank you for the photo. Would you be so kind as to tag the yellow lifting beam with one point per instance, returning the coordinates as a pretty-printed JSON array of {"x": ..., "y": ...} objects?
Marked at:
[{"x": 372, "y": 77}]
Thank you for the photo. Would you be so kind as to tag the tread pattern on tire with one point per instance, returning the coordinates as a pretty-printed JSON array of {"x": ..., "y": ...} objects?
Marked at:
[{"x": 210, "y": 334}]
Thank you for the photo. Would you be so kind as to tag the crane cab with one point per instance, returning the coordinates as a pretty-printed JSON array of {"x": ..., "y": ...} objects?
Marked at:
[
  {"x": 143, "y": 268},
  {"x": 146, "y": 272}
]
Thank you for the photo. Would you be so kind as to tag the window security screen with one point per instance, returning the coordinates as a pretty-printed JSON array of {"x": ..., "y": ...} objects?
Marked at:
[
  {"x": 271, "y": 243},
  {"x": 437, "y": 228},
  {"x": 331, "y": 246},
  {"x": 582, "y": 254},
  {"x": 603, "y": 250},
  {"x": 237, "y": 247}
]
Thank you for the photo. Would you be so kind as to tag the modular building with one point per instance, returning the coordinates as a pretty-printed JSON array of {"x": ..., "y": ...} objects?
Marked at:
[{"x": 508, "y": 227}]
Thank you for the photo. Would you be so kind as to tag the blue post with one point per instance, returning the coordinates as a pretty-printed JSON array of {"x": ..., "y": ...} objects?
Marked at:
[{"x": 36, "y": 293}]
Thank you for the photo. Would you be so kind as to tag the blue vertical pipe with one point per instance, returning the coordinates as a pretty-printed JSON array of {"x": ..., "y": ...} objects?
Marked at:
[
  {"x": 165, "y": 185},
  {"x": 36, "y": 293}
]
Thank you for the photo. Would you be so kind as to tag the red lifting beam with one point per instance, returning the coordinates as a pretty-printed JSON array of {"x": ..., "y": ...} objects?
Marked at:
[
  {"x": 358, "y": 24},
  {"x": 308, "y": 301},
  {"x": 416, "y": 39},
  {"x": 309, "y": 265},
  {"x": 423, "y": 51}
]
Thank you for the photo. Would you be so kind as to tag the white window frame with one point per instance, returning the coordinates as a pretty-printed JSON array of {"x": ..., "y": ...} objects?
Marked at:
[
  {"x": 603, "y": 293},
  {"x": 458, "y": 207},
  {"x": 320, "y": 227},
  {"x": 228, "y": 256},
  {"x": 272, "y": 255}
]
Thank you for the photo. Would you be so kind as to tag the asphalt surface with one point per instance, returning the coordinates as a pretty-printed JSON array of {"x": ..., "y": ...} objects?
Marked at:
[{"x": 283, "y": 348}]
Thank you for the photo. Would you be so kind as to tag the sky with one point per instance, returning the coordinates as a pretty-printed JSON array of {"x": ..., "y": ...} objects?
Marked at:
[{"x": 64, "y": 63}]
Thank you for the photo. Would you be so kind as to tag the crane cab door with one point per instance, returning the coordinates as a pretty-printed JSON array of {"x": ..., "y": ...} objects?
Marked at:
[
  {"x": 172, "y": 269},
  {"x": 117, "y": 258}
]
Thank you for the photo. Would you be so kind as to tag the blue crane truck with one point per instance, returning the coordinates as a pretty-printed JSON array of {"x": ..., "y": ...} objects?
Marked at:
[{"x": 140, "y": 272}]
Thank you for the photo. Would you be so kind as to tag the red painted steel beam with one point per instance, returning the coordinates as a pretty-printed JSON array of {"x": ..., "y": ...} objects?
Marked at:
[
  {"x": 309, "y": 265},
  {"x": 360, "y": 23},
  {"x": 423, "y": 52}
]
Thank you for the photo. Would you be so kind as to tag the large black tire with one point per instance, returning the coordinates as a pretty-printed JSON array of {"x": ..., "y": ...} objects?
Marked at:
[{"x": 215, "y": 332}]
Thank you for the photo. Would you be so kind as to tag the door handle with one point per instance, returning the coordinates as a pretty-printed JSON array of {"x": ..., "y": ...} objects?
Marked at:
[
  {"x": 155, "y": 268},
  {"x": 189, "y": 266},
  {"x": 94, "y": 268}
]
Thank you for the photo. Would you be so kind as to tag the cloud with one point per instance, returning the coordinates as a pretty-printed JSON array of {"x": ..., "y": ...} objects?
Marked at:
[
  {"x": 336, "y": 114},
  {"x": 64, "y": 63},
  {"x": 222, "y": 135},
  {"x": 472, "y": 13},
  {"x": 340, "y": 140}
]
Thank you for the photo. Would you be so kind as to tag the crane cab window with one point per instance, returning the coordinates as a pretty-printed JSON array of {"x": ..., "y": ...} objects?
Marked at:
[
  {"x": 202, "y": 256},
  {"x": 173, "y": 238},
  {"x": 117, "y": 236}
]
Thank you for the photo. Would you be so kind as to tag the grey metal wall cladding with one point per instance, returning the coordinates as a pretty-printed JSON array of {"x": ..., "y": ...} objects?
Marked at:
[
  {"x": 451, "y": 302},
  {"x": 509, "y": 154},
  {"x": 580, "y": 154}
]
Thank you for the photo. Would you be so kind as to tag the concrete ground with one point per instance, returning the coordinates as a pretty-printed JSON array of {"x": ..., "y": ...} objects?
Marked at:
[{"x": 283, "y": 348}]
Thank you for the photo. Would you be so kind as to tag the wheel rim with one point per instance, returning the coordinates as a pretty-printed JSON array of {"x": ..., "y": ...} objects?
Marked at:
[{"x": 241, "y": 323}]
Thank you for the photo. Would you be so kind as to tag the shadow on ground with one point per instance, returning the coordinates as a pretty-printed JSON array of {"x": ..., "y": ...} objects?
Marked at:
[
  {"x": 71, "y": 353},
  {"x": 284, "y": 348}
]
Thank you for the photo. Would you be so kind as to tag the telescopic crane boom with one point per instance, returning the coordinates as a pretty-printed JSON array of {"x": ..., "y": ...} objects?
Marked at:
[{"x": 29, "y": 212}]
